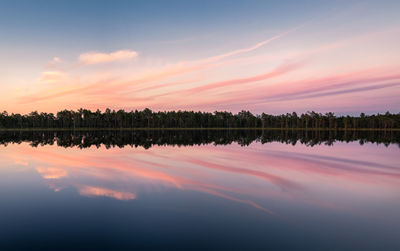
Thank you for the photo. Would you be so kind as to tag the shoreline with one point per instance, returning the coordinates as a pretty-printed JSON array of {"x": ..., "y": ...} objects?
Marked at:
[{"x": 196, "y": 129}]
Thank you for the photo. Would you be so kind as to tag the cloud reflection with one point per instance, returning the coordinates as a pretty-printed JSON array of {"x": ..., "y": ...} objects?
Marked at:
[
  {"x": 255, "y": 175},
  {"x": 52, "y": 172},
  {"x": 91, "y": 191}
]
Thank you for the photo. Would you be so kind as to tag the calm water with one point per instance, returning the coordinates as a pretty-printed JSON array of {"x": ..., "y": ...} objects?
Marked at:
[{"x": 211, "y": 191}]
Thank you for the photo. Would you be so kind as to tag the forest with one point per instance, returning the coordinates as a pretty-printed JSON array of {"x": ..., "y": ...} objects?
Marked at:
[{"x": 147, "y": 118}]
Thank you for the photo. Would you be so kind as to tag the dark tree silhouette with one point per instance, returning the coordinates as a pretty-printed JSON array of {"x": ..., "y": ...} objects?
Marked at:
[{"x": 87, "y": 119}]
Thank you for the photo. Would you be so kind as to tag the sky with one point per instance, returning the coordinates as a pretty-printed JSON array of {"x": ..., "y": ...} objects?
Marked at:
[{"x": 262, "y": 56}]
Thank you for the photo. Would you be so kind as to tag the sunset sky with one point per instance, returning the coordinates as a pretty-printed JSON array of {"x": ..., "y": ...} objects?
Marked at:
[{"x": 262, "y": 56}]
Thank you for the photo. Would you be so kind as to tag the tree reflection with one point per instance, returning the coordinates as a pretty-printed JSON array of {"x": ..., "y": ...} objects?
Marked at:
[{"x": 149, "y": 138}]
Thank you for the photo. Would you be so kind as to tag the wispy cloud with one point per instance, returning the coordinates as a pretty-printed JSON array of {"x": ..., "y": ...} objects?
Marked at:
[
  {"x": 302, "y": 91},
  {"x": 54, "y": 61},
  {"x": 52, "y": 76},
  {"x": 248, "y": 49},
  {"x": 168, "y": 71},
  {"x": 346, "y": 91},
  {"x": 280, "y": 70},
  {"x": 101, "y": 57},
  {"x": 331, "y": 87},
  {"x": 207, "y": 84}
]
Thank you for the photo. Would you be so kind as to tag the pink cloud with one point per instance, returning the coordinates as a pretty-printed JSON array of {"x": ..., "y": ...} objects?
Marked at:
[
  {"x": 52, "y": 76},
  {"x": 169, "y": 71},
  {"x": 100, "y": 57},
  {"x": 283, "y": 69}
]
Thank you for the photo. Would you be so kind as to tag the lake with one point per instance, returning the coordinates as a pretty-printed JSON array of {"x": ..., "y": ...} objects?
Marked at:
[{"x": 200, "y": 190}]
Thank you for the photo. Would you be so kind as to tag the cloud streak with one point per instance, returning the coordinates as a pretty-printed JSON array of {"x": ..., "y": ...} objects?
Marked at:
[
  {"x": 168, "y": 72},
  {"x": 280, "y": 70},
  {"x": 352, "y": 82},
  {"x": 52, "y": 76},
  {"x": 205, "y": 84},
  {"x": 101, "y": 57}
]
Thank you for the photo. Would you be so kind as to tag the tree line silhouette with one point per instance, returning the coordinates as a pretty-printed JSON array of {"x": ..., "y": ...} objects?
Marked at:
[
  {"x": 146, "y": 118},
  {"x": 149, "y": 138}
]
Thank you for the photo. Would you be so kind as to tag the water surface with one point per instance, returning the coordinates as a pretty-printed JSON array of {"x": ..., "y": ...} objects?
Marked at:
[{"x": 199, "y": 190}]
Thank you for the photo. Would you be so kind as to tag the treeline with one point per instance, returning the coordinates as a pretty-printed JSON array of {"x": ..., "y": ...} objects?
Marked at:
[
  {"x": 149, "y": 138},
  {"x": 188, "y": 119}
]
